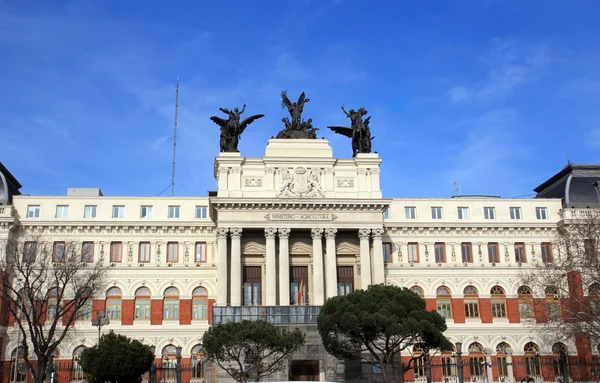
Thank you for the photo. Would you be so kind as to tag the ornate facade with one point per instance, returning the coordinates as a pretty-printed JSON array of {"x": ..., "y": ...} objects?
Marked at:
[{"x": 291, "y": 229}]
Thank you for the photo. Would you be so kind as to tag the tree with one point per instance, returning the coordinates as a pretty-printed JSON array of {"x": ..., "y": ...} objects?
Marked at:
[
  {"x": 251, "y": 347},
  {"x": 565, "y": 279},
  {"x": 45, "y": 287},
  {"x": 116, "y": 358},
  {"x": 377, "y": 324}
]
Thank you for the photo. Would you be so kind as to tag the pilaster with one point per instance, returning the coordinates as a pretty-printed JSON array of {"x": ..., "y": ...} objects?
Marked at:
[
  {"x": 222, "y": 266},
  {"x": 330, "y": 263},
  {"x": 365, "y": 258},
  {"x": 284, "y": 266},
  {"x": 318, "y": 298},
  {"x": 378, "y": 270},
  {"x": 236, "y": 266},
  {"x": 271, "y": 275}
]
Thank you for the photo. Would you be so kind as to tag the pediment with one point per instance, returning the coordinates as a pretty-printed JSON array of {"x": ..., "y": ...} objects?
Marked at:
[
  {"x": 347, "y": 248},
  {"x": 300, "y": 247},
  {"x": 254, "y": 248}
]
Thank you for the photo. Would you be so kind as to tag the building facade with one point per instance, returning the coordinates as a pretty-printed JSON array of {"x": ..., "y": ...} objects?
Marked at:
[{"x": 288, "y": 230}]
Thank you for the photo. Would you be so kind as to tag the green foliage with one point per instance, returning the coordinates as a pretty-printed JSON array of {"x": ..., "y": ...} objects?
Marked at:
[
  {"x": 116, "y": 358},
  {"x": 383, "y": 321},
  {"x": 250, "y": 348}
]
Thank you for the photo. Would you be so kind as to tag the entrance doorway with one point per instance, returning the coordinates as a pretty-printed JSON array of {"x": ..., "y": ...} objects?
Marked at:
[{"x": 304, "y": 370}]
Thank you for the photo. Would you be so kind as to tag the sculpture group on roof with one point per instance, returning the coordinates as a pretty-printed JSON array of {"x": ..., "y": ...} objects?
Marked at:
[{"x": 296, "y": 128}]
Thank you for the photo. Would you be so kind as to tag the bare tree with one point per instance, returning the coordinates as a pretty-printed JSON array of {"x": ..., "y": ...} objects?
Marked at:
[
  {"x": 566, "y": 278},
  {"x": 48, "y": 286}
]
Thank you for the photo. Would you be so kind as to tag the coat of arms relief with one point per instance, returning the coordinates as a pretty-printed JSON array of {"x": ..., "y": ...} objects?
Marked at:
[{"x": 300, "y": 183}]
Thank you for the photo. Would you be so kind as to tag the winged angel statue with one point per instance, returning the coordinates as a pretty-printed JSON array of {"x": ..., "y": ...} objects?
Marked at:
[
  {"x": 297, "y": 128},
  {"x": 359, "y": 131},
  {"x": 232, "y": 128}
]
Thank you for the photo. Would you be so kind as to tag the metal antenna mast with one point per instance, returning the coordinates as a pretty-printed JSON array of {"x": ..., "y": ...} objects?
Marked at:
[{"x": 175, "y": 136}]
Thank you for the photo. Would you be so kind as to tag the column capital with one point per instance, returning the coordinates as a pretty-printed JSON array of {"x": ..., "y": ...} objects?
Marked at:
[
  {"x": 236, "y": 232},
  {"x": 222, "y": 232},
  {"x": 284, "y": 232},
  {"x": 377, "y": 233},
  {"x": 316, "y": 233},
  {"x": 270, "y": 232},
  {"x": 364, "y": 233},
  {"x": 330, "y": 232}
]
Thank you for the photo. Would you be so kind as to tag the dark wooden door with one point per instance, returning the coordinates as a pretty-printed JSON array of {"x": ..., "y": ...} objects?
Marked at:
[{"x": 304, "y": 370}]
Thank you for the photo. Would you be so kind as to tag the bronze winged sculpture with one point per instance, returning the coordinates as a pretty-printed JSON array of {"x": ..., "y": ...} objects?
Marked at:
[
  {"x": 232, "y": 128},
  {"x": 297, "y": 127},
  {"x": 359, "y": 131}
]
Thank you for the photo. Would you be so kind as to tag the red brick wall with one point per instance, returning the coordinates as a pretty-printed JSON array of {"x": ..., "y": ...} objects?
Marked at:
[
  {"x": 211, "y": 303},
  {"x": 67, "y": 314},
  {"x": 539, "y": 307},
  {"x": 485, "y": 310},
  {"x": 156, "y": 311},
  {"x": 98, "y": 305},
  {"x": 584, "y": 348},
  {"x": 458, "y": 310},
  {"x": 431, "y": 304},
  {"x": 3, "y": 302},
  {"x": 512, "y": 310},
  {"x": 185, "y": 311},
  {"x": 127, "y": 311}
]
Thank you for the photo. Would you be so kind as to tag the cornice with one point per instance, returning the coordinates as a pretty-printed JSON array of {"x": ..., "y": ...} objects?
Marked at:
[
  {"x": 299, "y": 204},
  {"x": 125, "y": 228},
  {"x": 474, "y": 229}
]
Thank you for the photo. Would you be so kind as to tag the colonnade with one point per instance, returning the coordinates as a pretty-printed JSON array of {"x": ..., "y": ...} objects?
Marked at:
[{"x": 324, "y": 278}]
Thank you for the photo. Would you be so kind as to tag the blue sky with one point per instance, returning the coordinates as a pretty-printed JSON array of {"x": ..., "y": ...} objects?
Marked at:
[{"x": 491, "y": 94}]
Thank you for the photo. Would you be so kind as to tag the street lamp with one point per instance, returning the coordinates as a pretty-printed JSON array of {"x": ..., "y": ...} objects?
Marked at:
[
  {"x": 459, "y": 362},
  {"x": 178, "y": 367},
  {"x": 100, "y": 321}
]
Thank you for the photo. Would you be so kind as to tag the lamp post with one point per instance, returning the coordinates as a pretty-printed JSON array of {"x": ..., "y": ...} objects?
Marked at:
[
  {"x": 459, "y": 362},
  {"x": 153, "y": 366},
  {"x": 178, "y": 367},
  {"x": 100, "y": 321}
]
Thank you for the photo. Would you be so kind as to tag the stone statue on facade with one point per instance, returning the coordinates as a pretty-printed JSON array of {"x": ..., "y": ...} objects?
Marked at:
[
  {"x": 232, "y": 128},
  {"x": 359, "y": 131},
  {"x": 297, "y": 127}
]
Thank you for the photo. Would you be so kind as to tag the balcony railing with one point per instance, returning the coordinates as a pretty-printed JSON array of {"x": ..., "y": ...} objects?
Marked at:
[
  {"x": 5, "y": 211},
  {"x": 279, "y": 315}
]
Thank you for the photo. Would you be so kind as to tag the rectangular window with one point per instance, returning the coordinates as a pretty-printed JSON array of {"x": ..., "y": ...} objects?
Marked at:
[
  {"x": 471, "y": 308},
  {"x": 520, "y": 256},
  {"x": 410, "y": 212},
  {"x": 113, "y": 308},
  {"x": 171, "y": 309},
  {"x": 173, "y": 252},
  {"x": 589, "y": 247},
  {"x": 489, "y": 213},
  {"x": 436, "y": 213},
  {"x": 526, "y": 309},
  {"x": 413, "y": 252},
  {"x": 142, "y": 308},
  {"x": 493, "y": 252},
  {"x": 345, "y": 277},
  {"x": 502, "y": 365},
  {"x": 553, "y": 310},
  {"x": 62, "y": 211},
  {"x": 118, "y": 211},
  {"x": 173, "y": 211},
  {"x": 200, "y": 308},
  {"x": 116, "y": 249},
  {"x": 387, "y": 252},
  {"x": 200, "y": 252},
  {"x": 85, "y": 311},
  {"x": 33, "y": 211},
  {"x": 386, "y": 213},
  {"x": 58, "y": 255},
  {"x": 541, "y": 213},
  {"x": 440, "y": 252},
  {"x": 146, "y": 211},
  {"x": 87, "y": 252},
  {"x": 89, "y": 211},
  {"x": 201, "y": 211},
  {"x": 546, "y": 252},
  {"x": 251, "y": 285},
  {"x": 498, "y": 308},
  {"x": 515, "y": 213},
  {"x": 144, "y": 252},
  {"x": 463, "y": 213},
  {"x": 29, "y": 250},
  {"x": 444, "y": 308},
  {"x": 467, "y": 252}
]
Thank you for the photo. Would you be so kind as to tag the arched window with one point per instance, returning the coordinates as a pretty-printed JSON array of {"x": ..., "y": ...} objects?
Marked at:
[
  {"x": 419, "y": 363},
  {"x": 501, "y": 351},
  {"x": 448, "y": 364},
  {"x": 476, "y": 360},
  {"x": 54, "y": 305},
  {"x": 199, "y": 303},
  {"x": 471, "y": 302},
  {"x": 525, "y": 302},
  {"x": 552, "y": 303},
  {"x": 498, "y": 302},
  {"x": 18, "y": 368},
  {"x": 417, "y": 290},
  {"x": 444, "y": 302},
  {"x": 198, "y": 359},
  {"x": 559, "y": 349},
  {"x": 171, "y": 303},
  {"x": 532, "y": 359},
  {"x": 142, "y": 303},
  {"x": 113, "y": 303},
  {"x": 169, "y": 362},
  {"x": 77, "y": 372}
]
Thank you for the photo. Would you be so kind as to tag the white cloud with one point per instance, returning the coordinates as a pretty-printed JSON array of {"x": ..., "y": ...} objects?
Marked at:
[{"x": 458, "y": 94}]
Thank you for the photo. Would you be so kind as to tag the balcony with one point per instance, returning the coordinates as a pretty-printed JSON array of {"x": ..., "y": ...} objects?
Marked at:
[
  {"x": 5, "y": 211},
  {"x": 277, "y": 315}
]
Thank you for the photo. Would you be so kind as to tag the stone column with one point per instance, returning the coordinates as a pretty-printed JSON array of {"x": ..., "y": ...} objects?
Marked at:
[
  {"x": 509, "y": 367},
  {"x": 222, "y": 266},
  {"x": 271, "y": 279},
  {"x": 318, "y": 298},
  {"x": 236, "y": 266},
  {"x": 488, "y": 365},
  {"x": 365, "y": 259},
  {"x": 330, "y": 263},
  {"x": 378, "y": 270},
  {"x": 284, "y": 266}
]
